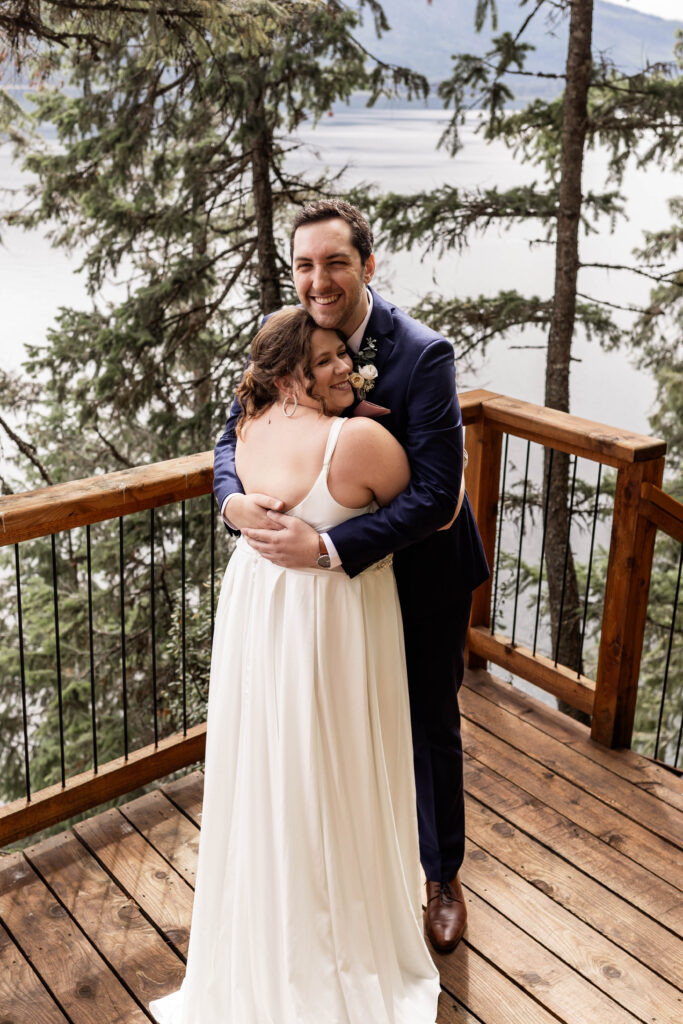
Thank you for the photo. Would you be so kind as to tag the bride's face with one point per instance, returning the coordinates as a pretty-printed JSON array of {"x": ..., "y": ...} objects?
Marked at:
[{"x": 331, "y": 365}]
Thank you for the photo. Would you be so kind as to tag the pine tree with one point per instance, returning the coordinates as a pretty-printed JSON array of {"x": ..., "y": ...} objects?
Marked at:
[{"x": 632, "y": 117}]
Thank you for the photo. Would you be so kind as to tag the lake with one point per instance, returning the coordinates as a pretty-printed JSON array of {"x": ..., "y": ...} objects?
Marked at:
[{"x": 395, "y": 149}]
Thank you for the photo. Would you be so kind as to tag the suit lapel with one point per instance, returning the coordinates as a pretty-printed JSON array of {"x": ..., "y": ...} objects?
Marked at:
[{"x": 380, "y": 327}]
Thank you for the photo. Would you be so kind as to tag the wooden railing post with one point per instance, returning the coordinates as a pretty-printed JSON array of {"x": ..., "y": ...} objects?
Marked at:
[
  {"x": 625, "y": 607},
  {"x": 483, "y": 443}
]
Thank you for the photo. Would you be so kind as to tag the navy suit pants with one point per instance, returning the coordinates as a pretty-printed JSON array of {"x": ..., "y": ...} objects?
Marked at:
[{"x": 435, "y": 635}]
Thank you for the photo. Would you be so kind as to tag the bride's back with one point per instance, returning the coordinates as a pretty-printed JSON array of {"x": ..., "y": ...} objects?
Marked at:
[{"x": 283, "y": 456}]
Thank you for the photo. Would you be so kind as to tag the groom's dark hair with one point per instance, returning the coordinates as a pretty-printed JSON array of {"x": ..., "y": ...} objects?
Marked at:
[{"x": 328, "y": 209}]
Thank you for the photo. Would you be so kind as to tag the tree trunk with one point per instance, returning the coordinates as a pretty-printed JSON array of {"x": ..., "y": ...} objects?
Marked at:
[
  {"x": 269, "y": 278},
  {"x": 574, "y": 122}
]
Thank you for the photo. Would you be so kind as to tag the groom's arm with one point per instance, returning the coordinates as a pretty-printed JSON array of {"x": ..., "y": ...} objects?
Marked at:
[
  {"x": 225, "y": 478},
  {"x": 434, "y": 444},
  {"x": 244, "y": 510}
]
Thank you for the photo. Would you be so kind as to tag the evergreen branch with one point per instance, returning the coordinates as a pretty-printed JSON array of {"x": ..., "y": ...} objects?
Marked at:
[
  {"x": 114, "y": 450},
  {"x": 612, "y": 305},
  {"x": 659, "y": 278},
  {"x": 442, "y": 219},
  {"x": 529, "y": 74},
  {"x": 27, "y": 449}
]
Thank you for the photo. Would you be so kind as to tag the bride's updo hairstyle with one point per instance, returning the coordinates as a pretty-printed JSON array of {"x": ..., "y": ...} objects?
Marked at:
[{"x": 280, "y": 349}]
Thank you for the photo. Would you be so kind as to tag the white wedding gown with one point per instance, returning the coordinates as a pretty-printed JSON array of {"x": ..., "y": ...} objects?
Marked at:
[{"x": 307, "y": 907}]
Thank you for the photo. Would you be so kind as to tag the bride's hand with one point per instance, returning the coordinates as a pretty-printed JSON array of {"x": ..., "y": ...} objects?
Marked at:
[
  {"x": 289, "y": 542},
  {"x": 249, "y": 511}
]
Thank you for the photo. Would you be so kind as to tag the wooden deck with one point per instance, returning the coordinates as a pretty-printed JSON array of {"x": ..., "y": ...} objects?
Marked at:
[{"x": 573, "y": 876}]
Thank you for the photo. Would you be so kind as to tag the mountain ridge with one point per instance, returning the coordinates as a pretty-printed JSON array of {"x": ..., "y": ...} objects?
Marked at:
[{"x": 425, "y": 35}]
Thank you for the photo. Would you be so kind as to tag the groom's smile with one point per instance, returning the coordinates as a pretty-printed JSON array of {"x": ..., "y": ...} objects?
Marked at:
[{"x": 329, "y": 275}]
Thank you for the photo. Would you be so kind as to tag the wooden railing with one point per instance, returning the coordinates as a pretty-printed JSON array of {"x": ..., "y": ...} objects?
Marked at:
[
  {"x": 639, "y": 461},
  {"x": 81, "y": 503},
  {"x": 639, "y": 508}
]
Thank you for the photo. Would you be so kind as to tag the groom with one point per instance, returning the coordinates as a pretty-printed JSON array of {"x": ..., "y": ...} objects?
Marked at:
[{"x": 410, "y": 369}]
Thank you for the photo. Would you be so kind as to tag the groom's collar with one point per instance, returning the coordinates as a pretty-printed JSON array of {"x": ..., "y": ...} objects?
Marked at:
[
  {"x": 382, "y": 324},
  {"x": 355, "y": 340}
]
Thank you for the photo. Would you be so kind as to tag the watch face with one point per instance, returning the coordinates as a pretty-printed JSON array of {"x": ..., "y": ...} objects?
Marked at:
[{"x": 324, "y": 561}]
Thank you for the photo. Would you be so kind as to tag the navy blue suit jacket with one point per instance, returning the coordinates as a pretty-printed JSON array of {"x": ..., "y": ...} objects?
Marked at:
[{"x": 416, "y": 381}]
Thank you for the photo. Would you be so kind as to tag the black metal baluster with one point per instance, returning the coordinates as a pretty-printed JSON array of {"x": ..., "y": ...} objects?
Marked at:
[
  {"x": 566, "y": 560},
  {"x": 667, "y": 664},
  {"x": 545, "y": 530},
  {"x": 500, "y": 531},
  {"x": 521, "y": 540},
  {"x": 184, "y": 658},
  {"x": 213, "y": 562},
  {"x": 590, "y": 569},
  {"x": 93, "y": 711},
  {"x": 22, "y": 670},
  {"x": 123, "y": 641},
  {"x": 152, "y": 612},
  {"x": 58, "y": 654}
]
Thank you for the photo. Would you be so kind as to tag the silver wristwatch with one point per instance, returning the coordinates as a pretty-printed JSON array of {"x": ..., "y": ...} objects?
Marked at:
[{"x": 324, "y": 561}]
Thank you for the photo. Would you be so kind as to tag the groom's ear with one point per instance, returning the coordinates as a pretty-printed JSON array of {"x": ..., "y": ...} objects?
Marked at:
[{"x": 369, "y": 268}]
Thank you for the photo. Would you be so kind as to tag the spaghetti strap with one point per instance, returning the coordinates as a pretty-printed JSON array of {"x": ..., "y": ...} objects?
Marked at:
[{"x": 332, "y": 439}]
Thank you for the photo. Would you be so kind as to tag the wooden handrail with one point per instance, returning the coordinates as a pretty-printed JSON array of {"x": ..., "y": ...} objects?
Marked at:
[
  {"x": 587, "y": 438},
  {"x": 97, "y": 498},
  {"x": 662, "y": 510}
]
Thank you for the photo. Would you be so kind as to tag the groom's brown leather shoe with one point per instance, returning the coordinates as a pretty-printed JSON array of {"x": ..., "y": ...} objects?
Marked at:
[{"x": 446, "y": 914}]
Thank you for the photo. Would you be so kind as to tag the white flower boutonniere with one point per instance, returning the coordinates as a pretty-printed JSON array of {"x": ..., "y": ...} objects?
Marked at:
[{"x": 364, "y": 373}]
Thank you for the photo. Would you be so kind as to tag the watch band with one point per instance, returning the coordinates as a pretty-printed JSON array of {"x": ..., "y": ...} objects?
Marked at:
[{"x": 324, "y": 560}]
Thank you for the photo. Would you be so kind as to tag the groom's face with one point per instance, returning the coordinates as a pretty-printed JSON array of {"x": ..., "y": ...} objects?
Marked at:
[{"x": 329, "y": 275}]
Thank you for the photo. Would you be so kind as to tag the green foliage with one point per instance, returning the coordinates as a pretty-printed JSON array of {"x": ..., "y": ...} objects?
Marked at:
[{"x": 473, "y": 323}]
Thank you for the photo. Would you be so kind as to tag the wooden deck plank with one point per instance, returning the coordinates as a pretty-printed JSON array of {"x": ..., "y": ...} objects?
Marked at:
[
  {"x": 538, "y": 972},
  {"x": 79, "y": 979},
  {"x": 187, "y": 793},
  {"x": 604, "y": 863},
  {"x": 642, "y": 772},
  {"x": 487, "y": 993},
  {"x": 603, "y": 822},
  {"x": 23, "y": 997},
  {"x": 169, "y": 831},
  {"x": 111, "y": 920},
  {"x": 142, "y": 873},
  {"x": 620, "y": 976},
  {"x": 611, "y": 915},
  {"x": 567, "y": 763},
  {"x": 452, "y": 1012}
]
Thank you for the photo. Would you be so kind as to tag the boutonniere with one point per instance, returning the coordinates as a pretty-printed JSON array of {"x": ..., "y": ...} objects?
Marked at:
[{"x": 365, "y": 372}]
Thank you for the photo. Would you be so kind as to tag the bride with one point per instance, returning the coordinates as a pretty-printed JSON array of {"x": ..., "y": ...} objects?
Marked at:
[{"x": 307, "y": 906}]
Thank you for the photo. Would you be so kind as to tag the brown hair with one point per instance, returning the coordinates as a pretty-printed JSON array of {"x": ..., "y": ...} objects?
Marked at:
[
  {"x": 281, "y": 347},
  {"x": 327, "y": 209}
]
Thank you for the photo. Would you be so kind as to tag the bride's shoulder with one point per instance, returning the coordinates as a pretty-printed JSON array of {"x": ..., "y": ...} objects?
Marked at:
[
  {"x": 362, "y": 436},
  {"x": 361, "y": 430}
]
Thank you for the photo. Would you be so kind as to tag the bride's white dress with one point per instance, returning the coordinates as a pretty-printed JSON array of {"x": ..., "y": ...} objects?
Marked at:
[{"x": 307, "y": 907}]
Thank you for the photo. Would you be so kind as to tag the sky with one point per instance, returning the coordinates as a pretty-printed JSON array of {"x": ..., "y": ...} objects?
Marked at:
[{"x": 671, "y": 9}]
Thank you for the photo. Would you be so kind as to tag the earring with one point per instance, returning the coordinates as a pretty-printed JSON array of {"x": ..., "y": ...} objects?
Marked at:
[{"x": 286, "y": 399}]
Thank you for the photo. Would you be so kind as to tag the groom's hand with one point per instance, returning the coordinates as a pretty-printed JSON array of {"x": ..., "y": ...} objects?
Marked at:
[
  {"x": 249, "y": 511},
  {"x": 290, "y": 542}
]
